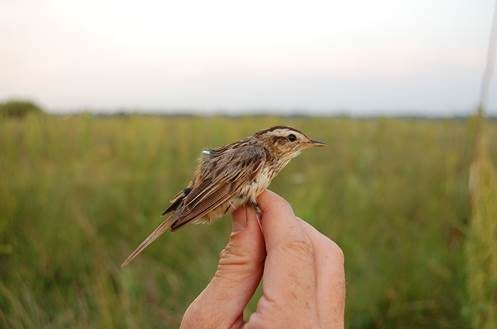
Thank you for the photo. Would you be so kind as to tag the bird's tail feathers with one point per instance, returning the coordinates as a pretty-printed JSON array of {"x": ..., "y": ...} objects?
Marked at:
[{"x": 163, "y": 227}]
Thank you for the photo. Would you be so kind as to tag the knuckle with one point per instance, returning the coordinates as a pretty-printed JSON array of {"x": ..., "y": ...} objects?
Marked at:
[
  {"x": 238, "y": 259},
  {"x": 224, "y": 253},
  {"x": 300, "y": 247},
  {"x": 228, "y": 259},
  {"x": 230, "y": 254}
]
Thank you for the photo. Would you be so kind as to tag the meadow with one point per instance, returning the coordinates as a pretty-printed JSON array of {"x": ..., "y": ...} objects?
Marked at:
[{"x": 78, "y": 193}]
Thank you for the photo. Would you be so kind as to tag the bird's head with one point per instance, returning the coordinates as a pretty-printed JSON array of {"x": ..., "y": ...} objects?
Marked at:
[{"x": 285, "y": 142}]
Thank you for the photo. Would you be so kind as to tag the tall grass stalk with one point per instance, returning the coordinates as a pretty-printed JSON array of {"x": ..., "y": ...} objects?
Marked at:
[{"x": 481, "y": 245}]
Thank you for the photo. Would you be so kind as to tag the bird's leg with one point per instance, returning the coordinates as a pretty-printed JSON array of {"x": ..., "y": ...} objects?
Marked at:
[
  {"x": 258, "y": 211},
  {"x": 246, "y": 216}
]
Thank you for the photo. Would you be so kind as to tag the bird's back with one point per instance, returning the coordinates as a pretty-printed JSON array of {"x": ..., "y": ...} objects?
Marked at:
[{"x": 225, "y": 179}]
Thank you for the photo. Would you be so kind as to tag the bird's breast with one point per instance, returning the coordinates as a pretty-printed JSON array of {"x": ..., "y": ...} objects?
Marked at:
[
  {"x": 247, "y": 193},
  {"x": 258, "y": 185}
]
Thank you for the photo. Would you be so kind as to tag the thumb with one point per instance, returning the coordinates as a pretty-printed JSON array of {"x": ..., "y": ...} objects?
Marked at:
[{"x": 241, "y": 262}]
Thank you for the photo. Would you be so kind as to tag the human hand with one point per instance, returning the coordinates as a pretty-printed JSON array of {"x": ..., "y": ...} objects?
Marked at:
[{"x": 302, "y": 273}]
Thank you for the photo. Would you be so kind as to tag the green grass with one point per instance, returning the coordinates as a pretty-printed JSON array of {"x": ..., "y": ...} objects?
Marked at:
[
  {"x": 78, "y": 194},
  {"x": 481, "y": 246}
]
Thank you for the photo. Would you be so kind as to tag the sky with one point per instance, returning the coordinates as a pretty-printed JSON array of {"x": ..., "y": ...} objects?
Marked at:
[{"x": 322, "y": 57}]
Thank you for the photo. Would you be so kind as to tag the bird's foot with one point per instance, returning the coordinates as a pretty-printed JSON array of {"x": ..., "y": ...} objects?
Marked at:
[{"x": 258, "y": 212}]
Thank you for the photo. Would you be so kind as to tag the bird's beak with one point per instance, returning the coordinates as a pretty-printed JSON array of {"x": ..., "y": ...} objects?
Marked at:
[{"x": 315, "y": 143}]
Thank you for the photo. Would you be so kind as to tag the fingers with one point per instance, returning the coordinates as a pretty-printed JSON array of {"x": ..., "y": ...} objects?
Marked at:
[
  {"x": 222, "y": 302},
  {"x": 289, "y": 288},
  {"x": 330, "y": 282},
  {"x": 279, "y": 224},
  {"x": 304, "y": 280}
]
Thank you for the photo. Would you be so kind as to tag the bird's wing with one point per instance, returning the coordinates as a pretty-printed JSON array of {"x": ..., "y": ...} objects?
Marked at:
[
  {"x": 221, "y": 177},
  {"x": 176, "y": 201}
]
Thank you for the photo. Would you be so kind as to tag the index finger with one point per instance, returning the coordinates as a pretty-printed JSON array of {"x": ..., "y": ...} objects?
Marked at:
[
  {"x": 279, "y": 224},
  {"x": 289, "y": 279}
]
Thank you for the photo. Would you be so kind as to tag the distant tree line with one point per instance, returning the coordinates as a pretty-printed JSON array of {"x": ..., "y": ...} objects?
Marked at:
[{"x": 17, "y": 108}]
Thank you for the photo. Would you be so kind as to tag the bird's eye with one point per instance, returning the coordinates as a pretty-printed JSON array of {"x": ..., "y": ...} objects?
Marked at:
[{"x": 292, "y": 138}]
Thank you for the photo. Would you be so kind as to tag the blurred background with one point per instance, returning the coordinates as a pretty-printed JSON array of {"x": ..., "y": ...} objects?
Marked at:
[{"x": 105, "y": 106}]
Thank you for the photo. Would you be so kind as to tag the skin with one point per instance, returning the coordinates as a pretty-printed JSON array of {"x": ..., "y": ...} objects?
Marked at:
[{"x": 302, "y": 273}]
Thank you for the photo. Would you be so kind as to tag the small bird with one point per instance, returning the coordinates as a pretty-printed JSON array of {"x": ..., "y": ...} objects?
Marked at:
[{"x": 229, "y": 177}]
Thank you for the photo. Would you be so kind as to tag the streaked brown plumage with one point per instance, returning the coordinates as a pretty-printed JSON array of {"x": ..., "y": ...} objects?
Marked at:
[{"x": 231, "y": 176}]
